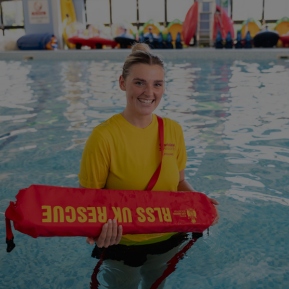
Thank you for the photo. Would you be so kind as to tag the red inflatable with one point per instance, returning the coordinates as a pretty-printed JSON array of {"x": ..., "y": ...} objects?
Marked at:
[
  {"x": 190, "y": 23},
  {"x": 93, "y": 42},
  {"x": 285, "y": 40},
  {"x": 48, "y": 211},
  {"x": 222, "y": 23}
]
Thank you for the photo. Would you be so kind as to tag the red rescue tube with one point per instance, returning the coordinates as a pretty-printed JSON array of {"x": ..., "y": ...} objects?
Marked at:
[{"x": 50, "y": 211}]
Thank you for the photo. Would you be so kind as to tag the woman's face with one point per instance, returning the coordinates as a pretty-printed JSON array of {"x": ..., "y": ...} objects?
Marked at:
[{"x": 144, "y": 87}]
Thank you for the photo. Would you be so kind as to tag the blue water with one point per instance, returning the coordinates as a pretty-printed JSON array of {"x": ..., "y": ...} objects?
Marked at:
[{"x": 236, "y": 125}]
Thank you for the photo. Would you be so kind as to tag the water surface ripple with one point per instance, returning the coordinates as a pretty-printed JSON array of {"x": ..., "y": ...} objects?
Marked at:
[{"x": 235, "y": 120}]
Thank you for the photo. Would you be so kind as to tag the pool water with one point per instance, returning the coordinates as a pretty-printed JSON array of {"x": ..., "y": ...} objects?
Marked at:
[{"x": 234, "y": 114}]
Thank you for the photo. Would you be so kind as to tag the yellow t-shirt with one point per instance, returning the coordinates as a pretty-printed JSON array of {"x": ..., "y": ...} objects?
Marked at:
[{"x": 121, "y": 156}]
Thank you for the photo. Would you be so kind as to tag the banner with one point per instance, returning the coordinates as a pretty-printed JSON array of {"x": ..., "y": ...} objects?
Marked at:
[{"x": 38, "y": 11}]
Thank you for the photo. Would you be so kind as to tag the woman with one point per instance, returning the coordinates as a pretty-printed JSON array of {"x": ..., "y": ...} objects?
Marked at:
[{"x": 123, "y": 153}]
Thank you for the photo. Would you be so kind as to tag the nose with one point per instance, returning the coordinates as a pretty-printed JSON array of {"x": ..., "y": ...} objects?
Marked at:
[{"x": 149, "y": 91}]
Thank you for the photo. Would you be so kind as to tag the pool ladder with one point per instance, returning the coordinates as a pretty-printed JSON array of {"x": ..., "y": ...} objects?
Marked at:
[{"x": 205, "y": 25}]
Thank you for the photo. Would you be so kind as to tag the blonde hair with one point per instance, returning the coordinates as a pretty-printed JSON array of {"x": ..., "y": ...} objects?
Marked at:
[{"x": 141, "y": 53}]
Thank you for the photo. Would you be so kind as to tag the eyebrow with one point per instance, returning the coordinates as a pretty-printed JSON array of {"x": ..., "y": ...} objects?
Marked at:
[{"x": 140, "y": 79}]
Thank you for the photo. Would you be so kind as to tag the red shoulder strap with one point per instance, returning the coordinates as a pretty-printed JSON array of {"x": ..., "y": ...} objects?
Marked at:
[
  {"x": 156, "y": 174},
  {"x": 175, "y": 259}
]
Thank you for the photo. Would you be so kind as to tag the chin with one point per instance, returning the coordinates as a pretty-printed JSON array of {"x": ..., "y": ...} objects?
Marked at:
[{"x": 148, "y": 110}]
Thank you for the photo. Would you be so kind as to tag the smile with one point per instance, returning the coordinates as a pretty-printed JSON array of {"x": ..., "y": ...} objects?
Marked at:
[{"x": 147, "y": 101}]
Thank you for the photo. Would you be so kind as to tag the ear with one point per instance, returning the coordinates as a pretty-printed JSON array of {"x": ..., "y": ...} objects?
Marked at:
[{"x": 121, "y": 82}]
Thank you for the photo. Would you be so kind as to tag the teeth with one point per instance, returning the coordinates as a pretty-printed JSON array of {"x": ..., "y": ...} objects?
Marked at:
[{"x": 146, "y": 100}]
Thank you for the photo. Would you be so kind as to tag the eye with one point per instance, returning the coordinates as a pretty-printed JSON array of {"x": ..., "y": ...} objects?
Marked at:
[
  {"x": 159, "y": 84},
  {"x": 139, "y": 83}
]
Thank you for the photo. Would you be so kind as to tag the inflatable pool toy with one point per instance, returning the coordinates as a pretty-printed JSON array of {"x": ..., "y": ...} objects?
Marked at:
[
  {"x": 190, "y": 23},
  {"x": 179, "y": 41},
  {"x": 160, "y": 42},
  {"x": 282, "y": 27},
  {"x": 123, "y": 35},
  {"x": 91, "y": 36},
  {"x": 239, "y": 42},
  {"x": 168, "y": 41},
  {"x": 68, "y": 17},
  {"x": 37, "y": 41},
  {"x": 152, "y": 27},
  {"x": 149, "y": 33},
  {"x": 95, "y": 42},
  {"x": 250, "y": 25},
  {"x": 229, "y": 41},
  {"x": 52, "y": 44},
  {"x": 219, "y": 43},
  {"x": 248, "y": 40},
  {"x": 284, "y": 39},
  {"x": 175, "y": 27},
  {"x": 266, "y": 38},
  {"x": 124, "y": 41},
  {"x": 50, "y": 211},
  {"x": 222, "y": 23}
]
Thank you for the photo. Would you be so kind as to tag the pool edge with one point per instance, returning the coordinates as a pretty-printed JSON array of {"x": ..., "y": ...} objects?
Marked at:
[{"x": 120, "y": 54}]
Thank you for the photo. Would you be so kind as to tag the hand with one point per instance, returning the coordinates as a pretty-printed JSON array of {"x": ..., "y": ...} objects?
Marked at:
[
  {"x": 215, "y": 203},
  {"x": 111, "y": 234}
]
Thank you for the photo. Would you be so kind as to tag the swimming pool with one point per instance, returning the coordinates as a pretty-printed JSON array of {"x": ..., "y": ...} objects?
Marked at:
[{"x": 234, "y": 112}]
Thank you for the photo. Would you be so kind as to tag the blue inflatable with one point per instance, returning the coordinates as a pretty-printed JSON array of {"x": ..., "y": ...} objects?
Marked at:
[
  {"x": 178, "y": 43},
  {"x": 248, "y": 40},
  {"x": 229, "y": 41},
  {"x": 39, "y": 41},
  {"x": 239, "y": 44},
  {"x": 266, "y": 38},
  {"x": 160, "y": 42},
  {"x": 169, "y": 40},
  {"x": 219, "y": 41}
]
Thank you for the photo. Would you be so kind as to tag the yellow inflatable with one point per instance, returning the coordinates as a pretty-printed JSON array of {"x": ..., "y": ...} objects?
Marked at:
[
  {"x": 68, "y": 17},
  {"x": 282, "y": 27},
  {"x": 150, "y": 26},
  {"x": 174, "y": 28},
  {"x": 250, "y": 25}
]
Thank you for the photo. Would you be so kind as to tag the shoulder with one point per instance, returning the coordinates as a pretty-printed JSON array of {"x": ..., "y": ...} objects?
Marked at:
[
  {"x": 170, "y": 123},
  {"x": 108, "y": 125},
  {"x": 105, "y": 130},
  {"x": 172, "y": 128}
]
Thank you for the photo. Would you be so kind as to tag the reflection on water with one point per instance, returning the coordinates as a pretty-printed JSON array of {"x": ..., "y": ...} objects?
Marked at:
[
  {"x": 235, "y": 121},
  {"x": 258, "y": 140}
]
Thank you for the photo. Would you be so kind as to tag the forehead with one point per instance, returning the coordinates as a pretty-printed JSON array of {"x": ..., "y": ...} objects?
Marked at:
[{"x": 146, "y": 71}]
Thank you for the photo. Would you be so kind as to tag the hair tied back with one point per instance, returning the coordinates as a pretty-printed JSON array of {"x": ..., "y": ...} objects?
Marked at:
[{"x": 140, "y": 47}]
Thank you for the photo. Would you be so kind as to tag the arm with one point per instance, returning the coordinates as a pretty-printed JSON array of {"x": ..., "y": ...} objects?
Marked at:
[
  {"x": 185, "y": 186},
  {"x": 94, "y": 171}
]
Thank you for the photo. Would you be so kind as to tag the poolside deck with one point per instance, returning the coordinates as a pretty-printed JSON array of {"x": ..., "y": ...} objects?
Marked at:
[{"x": 120, "y": 54}]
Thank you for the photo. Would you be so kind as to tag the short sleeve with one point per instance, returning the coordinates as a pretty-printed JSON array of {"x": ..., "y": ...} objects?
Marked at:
[
  {"x": 182, "y": 152},
  {"x": 94, "y": 166}
]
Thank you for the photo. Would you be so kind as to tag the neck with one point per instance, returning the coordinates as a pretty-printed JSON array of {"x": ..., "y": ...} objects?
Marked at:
[{"x": 138, "y": 121}]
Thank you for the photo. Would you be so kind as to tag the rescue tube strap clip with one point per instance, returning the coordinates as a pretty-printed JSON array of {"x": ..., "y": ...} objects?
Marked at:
[{"x": 10, "y": 245}]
